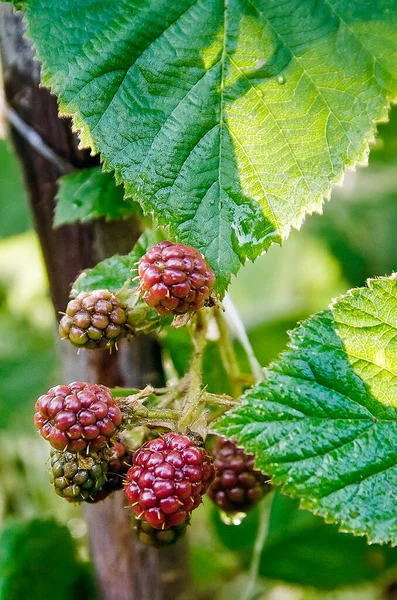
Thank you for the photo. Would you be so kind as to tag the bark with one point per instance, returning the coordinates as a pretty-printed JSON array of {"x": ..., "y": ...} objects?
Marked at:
[{"x": 125, "y": 569}]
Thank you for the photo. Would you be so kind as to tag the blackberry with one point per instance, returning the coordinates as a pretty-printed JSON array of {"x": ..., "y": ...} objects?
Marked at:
[
  {"x": 237, "y": 486},
  {"x": 76, "y": 416},
  {"x": 168, "y": 479},
  {"x": 94, "y": 320},
  {"x": 175, "y": 279},
  {"x": 73, "y": 481}
]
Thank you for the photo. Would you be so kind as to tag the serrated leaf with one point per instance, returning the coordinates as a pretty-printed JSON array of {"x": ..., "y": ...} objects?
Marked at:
[
  {"x": 227, "y": 120},
  {"x": 90, "y": 194},
  {"x": 323, "y": 422}
]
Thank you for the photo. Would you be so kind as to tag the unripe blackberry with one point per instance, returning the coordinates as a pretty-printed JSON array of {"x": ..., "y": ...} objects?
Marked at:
[
  {"x": 237, "y": 486},
  {"x": 74, "y": 482},
  {"x": 76, "y": 416},
  {"x": 168, "y": 479},
  {"x": 175, "y": 279},
  {"x": 94, "y": 320},
  {"x": 158, "y": 538},
  {"x": 118, "y": 464}
]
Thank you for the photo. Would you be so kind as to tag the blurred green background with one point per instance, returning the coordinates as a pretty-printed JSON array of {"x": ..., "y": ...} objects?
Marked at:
[{"x": 302, "y": 559}]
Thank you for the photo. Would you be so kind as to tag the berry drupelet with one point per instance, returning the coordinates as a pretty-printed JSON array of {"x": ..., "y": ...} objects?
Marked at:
[
  {"x": 73, "y": 482},
  {"x": 168, "y": 479},
  {"x": 118, "y": 464},
  {"x": 237, "y": 486},
  {"x": 157, "y": 538},
  {"x": 77, "y": 416},
  {"x": 94, "y": 320},
  {"x": 175, "y": 279}
]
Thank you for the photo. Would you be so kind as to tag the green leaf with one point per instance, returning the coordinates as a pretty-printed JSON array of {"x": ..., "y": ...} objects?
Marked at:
[
  {"x": 90, "y": 194},
  {"x": 117, "y": 271},
  {"x": 227, "y": 120},
  {"x": 38, "y": 560},
  {"x": 302, "y": 549},
  {"x": 323, "y": 422}
]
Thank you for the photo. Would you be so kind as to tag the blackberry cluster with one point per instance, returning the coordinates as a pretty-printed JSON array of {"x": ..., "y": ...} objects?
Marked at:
[
  {"x": 175, "y": 279},
  {"x": 76, "y": 416},
  {"x": 94, "y": 320},
  {"x": 74, "y": 482},
  {"x": 237, "y": 486},
  {"x": 168, "y": 479}
]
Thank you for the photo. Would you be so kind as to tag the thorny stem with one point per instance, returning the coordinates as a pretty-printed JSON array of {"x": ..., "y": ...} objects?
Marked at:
[
  {"x": 228, "y": 355},
  {"x": 135, "y": 412},
  {"x": 219, "y": 400},
  {"x": 195, "y": 392}
]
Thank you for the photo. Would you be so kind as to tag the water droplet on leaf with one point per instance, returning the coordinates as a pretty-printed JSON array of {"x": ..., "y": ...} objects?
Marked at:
[{"x": 281, "y": 79}]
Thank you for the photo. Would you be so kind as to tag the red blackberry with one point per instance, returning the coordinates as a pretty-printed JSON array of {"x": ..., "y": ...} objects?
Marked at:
[
  {"x": 75, "y": 416},
  {"x": 158, "y": 538},
  {"x": 169, "y": 476},
  {"x": 73, "y": 481},
  {"x": 175, "y": 279},
  {"x": 94, "y": 320},
  {"x": 237, "y": 486}
]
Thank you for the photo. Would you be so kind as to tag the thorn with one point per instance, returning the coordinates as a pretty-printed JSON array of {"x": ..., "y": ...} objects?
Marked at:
[
  {"x": 163, "y": 526},
  {"x": 135, "y": 504},
  {"x": 140, "y": 515}
]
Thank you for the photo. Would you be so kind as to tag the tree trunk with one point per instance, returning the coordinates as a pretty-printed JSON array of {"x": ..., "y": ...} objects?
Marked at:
[{"x": 47, "y": 149}]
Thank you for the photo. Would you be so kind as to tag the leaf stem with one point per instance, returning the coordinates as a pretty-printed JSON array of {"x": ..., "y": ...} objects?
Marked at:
[
  {"x": 228, "y": 354},
  {"x": 263, "y": 529},
  {"x": 233, "y": 316}
]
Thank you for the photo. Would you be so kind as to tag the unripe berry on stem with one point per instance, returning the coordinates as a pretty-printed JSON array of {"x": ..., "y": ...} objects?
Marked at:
[
  {"x": 157, "y": 538},
  {"x": 237, "y": 486},
  {"x": 95, "y": 319},
  {"x": 74, "y": 482},
  {"x": 168, "y": 479},
  {"x": 77, "y": 416},
  {"x": 175, "y": 279}
]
